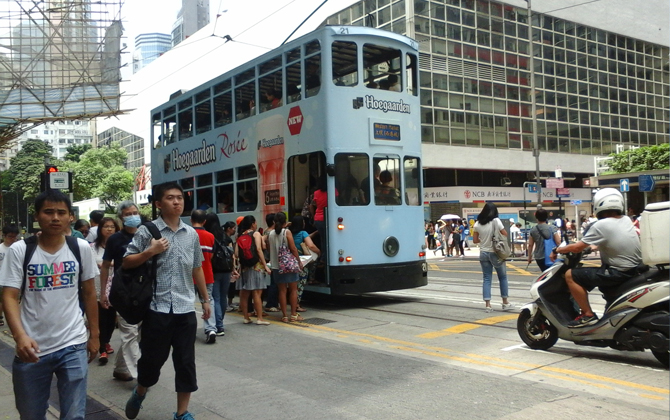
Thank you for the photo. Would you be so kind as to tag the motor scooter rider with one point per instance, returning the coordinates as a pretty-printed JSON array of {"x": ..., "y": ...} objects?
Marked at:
[{"x": 620, "y": 253}]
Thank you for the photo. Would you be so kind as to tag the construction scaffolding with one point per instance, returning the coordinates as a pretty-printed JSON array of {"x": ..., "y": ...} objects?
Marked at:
[{"x": 59, "y": 60}]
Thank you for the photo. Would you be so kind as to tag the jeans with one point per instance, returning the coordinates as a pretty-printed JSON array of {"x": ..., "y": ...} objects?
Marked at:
[
  {"x": 32, "y": 383},
  {"x": 220, "y": 292},
  {"x": 210, "y": 323},
  {"x": 488, "y": 261}
]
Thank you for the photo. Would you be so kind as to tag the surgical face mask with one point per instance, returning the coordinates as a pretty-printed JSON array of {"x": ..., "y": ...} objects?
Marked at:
[{"x": 133, "y": 221}]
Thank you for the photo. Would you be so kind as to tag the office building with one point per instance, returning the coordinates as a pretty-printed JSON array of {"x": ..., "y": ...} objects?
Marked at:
[
  {"x": 134, "y": 145},
  {"x": 193, "y": 15},
  {"x": 149, "y": 47},
  {"x": 594, "y": 89}
]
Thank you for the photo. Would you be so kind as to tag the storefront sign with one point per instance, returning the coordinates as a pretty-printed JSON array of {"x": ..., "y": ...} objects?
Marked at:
[{"x": 498, "y": 194}]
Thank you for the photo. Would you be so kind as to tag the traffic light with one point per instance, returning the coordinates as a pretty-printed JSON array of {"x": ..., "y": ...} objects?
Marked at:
[{"x": 44, "y": 181}]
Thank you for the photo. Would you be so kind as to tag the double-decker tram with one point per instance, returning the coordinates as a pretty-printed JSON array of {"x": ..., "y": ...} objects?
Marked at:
[{"x": 336, "y": 109}]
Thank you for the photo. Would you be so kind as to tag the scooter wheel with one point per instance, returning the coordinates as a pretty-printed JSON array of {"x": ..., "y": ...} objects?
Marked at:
[
  {"x": 663, "y": 357},
  {"x": 540, "y": 337}
]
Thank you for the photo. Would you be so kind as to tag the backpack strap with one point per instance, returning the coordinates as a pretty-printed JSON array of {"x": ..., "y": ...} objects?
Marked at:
[
  {"x": 31, "y": 246},
  {"x": 156, "y": 234}
]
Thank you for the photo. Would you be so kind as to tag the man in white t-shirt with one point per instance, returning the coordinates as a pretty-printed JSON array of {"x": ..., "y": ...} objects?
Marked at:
[
  {"x": 10, "y": 234},
  {"x": 47, "y": 325}
]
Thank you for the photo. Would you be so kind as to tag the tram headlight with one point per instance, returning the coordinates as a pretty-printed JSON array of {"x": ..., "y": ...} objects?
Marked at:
[
  {"x": 348, "y": 259},
  {"x": 340, "y": 226},
  {"x": 391, "y": 246}
]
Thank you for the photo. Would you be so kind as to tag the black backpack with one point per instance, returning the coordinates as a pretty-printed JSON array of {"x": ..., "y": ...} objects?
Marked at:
[
  {"x": 222, "y": 258},
  {"x": 134, "y": 288},
  {"x": 31, "y": 246}
]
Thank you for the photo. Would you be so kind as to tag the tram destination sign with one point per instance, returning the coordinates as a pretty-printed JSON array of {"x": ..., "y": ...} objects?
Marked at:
[{"x": 386, "y": 131}]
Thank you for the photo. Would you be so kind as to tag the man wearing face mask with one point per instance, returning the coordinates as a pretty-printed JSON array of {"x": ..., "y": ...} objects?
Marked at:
[{"x": 128, "y": 354}]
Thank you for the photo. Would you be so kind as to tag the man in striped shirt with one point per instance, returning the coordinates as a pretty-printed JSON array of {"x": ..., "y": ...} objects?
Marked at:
[{"x": 171, "y": 322}]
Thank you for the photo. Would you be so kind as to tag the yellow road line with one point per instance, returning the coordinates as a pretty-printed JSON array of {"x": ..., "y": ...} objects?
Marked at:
[
  {"x": 472, "y": 358},
  {"x": 461, "y": 328}
]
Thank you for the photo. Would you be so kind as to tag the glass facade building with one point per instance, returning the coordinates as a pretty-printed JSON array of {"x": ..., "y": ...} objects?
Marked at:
[
  {"x": 149, "y": 47},
  {"x": 594, "y": 89},
  {"x": 133, "y": 144}
]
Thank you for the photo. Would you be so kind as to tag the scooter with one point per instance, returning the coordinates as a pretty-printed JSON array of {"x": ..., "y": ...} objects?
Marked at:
[{"x": 636, "y": 318}]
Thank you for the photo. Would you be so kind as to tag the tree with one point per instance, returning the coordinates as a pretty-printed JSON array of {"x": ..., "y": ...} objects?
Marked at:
[
  {"x": 100, "y": 173},
  {"x": 647, "y": 158},
  {"x": 75, "y": 151},
  {"x": 26, "y": 167}
]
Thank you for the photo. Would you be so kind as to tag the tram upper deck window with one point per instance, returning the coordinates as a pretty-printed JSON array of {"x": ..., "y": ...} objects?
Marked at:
[
  {"x": 293, "y": 83},
  {"x": 312, "y": 68},
  {"x": 170, "y": 125},
  {"x": 203, "y": 112},
  {"x": 352, "y": 179},
  {"x": 156, "y": 134},
  {"x": 412, "y": 72},
  {"x": 412, "y": 170},
  {"x": 185, "y": 119},
  {"x": 383, "y": 67},
  {"x": 387, "y": 186},
  {"x": 245, "y": 95},
  {"x": 345, "y": 63}
]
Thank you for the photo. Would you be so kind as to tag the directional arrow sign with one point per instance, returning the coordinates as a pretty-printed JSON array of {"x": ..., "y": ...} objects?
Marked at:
[
  {"x": 646, "y": 183},
  {"x": 624, "y": 185}
]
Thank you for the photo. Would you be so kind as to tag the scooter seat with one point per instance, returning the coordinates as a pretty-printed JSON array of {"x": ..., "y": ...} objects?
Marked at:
[{"x": 647, "y": 275}]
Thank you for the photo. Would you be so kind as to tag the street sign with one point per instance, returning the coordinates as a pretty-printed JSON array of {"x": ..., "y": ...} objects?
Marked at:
[
  {"x": 563, "y": 192},
  {"x": 59, "y": 180},
  {"x": 624, "y": 185},
  {"x": 575, "y": 202},
  {"x": 646, "y": 183},
  {"x": 532, "y": 188},
  {"x": 554, "y": 182}
]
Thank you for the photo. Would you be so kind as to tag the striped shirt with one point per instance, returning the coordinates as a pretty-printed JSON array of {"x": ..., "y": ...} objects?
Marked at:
[{"x": 174, "y": 275}]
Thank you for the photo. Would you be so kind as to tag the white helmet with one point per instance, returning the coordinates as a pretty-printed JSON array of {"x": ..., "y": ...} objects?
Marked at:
[{"x": 607, "y": 199}]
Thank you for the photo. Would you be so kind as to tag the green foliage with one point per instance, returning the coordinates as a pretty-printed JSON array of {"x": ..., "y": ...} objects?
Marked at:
[
  {"x": 646, "y": 158},
  {"x": 100, "y": 173},
  {"x": 75, "y": 151},
  {"x": 26, "y": 167}
]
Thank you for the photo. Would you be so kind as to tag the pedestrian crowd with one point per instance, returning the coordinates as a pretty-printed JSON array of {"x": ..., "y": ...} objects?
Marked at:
[{"x": 67, "y": 268}]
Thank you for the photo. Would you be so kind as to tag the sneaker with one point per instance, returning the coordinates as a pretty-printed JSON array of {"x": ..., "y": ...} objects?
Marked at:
[
  {"x": 247, "y": 321},
  {"x": 489, "y": 309},
  {"x": 211, "y": 337},
  {"x": 134, "y": 404},
  {"x": 583, "y": 320},
  {"x": 108, "y": 349},
  {"x": 259, "y": 322},
  {"x": 220, "y": 332},
  {"x": 507, "y": 306},
  {"x": 103, "y": 359},
  {"x": 185, "y": 416}
]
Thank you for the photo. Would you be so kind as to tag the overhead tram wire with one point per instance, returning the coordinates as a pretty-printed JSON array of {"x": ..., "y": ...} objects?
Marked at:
[
  {"x": 225, "y": 37},
  {"x": 303, "y": 22}
]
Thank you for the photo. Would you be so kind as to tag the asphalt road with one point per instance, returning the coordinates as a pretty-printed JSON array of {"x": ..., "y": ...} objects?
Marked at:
[{"x": 427, "y": 353}]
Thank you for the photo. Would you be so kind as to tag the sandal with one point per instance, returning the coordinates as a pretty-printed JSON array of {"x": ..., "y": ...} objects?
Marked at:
[
  {"x": 284, "y": 319},
  {"x": 301, "y": 309},
  {"x": 296, "y": 317}
]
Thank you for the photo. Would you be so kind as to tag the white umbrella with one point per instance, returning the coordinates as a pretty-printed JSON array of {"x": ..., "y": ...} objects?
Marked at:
[{"x": 450, "y": 217}]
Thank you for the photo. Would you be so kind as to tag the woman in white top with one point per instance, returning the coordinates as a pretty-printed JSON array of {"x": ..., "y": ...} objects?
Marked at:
[
  {"x": 106, "y": 316},
  {"x": 487, "y": 221}
]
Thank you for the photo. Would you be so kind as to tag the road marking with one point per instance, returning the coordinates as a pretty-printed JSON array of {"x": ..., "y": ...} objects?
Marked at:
[
  {"x": 461, "y": 328},
  {"x": 519, "y": 270},
  {"x": 514, "y": 347},
  {"x": 478, "y": 359}
]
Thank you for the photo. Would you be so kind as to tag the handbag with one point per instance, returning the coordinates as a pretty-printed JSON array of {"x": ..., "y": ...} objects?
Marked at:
[
  {"x": 288, "y": 263},
  {"x": 500, "y": 245}
]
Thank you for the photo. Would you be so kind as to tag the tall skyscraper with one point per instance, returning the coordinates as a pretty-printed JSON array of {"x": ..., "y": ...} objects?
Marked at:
[
  {"x": 193, "y": 16},
  {"x": 149, "y": 47}
]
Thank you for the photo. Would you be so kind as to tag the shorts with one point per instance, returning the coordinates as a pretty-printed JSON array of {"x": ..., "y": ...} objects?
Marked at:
[
  {"x": 591, "y": 277},
  {"x": 286, "y": 277}
]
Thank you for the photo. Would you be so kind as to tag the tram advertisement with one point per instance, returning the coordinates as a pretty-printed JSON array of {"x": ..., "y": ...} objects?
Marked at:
[{"x": 270, "y": 134}]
